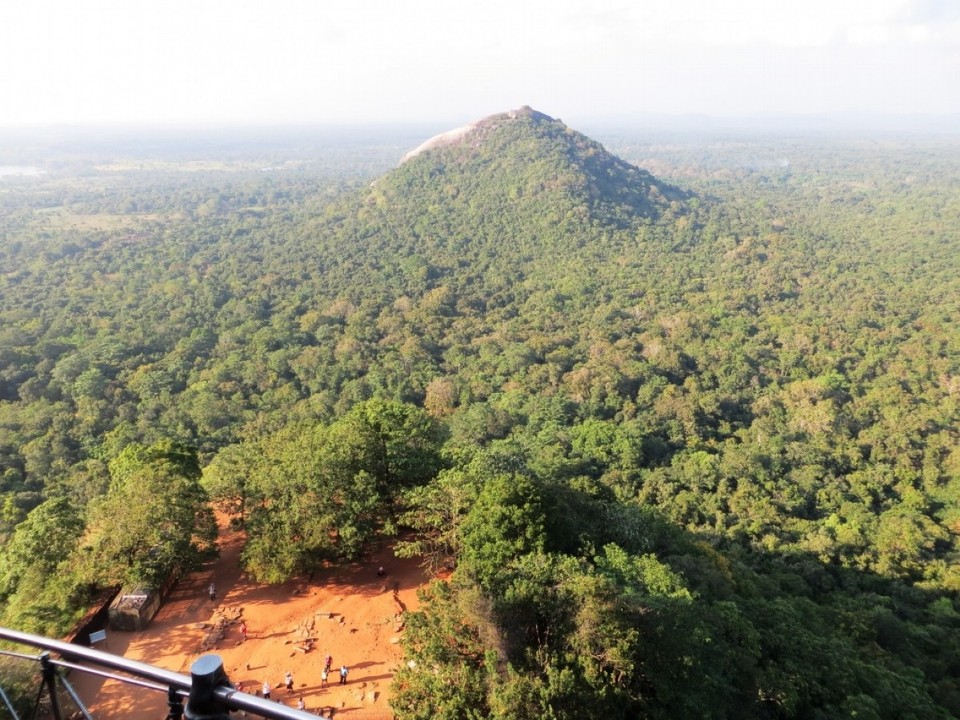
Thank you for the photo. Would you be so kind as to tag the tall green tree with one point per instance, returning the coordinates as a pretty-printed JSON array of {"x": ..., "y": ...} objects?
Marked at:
[
  {"x": 41, "y": 589},
  {"x": 155, "y": 518},
  {"x": 319, "y": 492}
]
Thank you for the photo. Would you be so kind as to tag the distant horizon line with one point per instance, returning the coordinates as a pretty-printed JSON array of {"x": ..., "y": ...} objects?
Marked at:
[
  {"x": 847, "y": 118},
  {"x": 845, "y": 121}
]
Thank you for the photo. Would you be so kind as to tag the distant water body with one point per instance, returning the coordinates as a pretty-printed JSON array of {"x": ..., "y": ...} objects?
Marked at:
[{"x": 21, "y": 170}]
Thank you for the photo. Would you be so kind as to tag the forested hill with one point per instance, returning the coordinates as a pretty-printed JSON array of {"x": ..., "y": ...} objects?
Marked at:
[
  {"x": 488, "y": 204},
  {"x": 520, "y": 164},
  {"x": 691, "y": 446}
]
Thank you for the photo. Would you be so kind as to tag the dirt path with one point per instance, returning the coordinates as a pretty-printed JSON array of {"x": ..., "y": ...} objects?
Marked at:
[{"x": 348, "y": 612}]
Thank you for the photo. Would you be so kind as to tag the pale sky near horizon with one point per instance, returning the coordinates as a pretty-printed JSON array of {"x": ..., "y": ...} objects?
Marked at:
[{"x": 343, "y": 61}]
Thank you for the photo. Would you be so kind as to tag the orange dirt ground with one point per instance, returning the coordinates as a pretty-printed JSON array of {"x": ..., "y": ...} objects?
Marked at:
[{"x": 349, "y": 611}]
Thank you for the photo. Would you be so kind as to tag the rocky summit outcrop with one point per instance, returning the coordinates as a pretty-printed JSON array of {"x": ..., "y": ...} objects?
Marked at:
[{"x": 475, "y": 129}]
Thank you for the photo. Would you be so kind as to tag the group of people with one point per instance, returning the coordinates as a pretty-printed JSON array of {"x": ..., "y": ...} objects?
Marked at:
[
  {"x": 325, "y": 673},
  {"x": 288, "y": 679},
  {"x": 287, "y": 682}
]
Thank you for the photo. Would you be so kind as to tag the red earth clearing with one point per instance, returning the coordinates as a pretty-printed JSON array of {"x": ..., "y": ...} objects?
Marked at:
[{"x": 348, "y": 612}]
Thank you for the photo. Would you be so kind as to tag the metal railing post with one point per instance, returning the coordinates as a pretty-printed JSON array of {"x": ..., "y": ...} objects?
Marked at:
[
  {"x": 206, "y": 675},
  {"x": 76, "y": 698},
  {"x": 10, "y": 708},
  {"x": 50, "y": 678},
  {"x": 175, "y": 704}
]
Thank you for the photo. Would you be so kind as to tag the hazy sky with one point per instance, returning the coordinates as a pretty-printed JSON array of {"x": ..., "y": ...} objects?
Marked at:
[{"x": 253, "y": 61}]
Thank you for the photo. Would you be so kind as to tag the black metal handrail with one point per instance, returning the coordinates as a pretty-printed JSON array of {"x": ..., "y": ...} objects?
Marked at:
[{"x": 207, "y": 689}]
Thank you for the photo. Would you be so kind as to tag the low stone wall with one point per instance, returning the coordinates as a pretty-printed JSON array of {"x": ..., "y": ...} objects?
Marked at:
[{"x": 95, "y": 619}]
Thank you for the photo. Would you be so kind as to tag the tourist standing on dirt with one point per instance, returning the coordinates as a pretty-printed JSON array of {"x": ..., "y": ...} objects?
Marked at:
[
  {"x": 343, "y": 674},
  {"x": 288, "y": 681},
  {"x": 243, "y": 630},
  {"x": 328, "y": 663},
  {"x": 324, "y": 674},
  {"x": 213, "y": 592},
  {"x": 266, "y": 690},
  {"x": 301, "y": 705}
]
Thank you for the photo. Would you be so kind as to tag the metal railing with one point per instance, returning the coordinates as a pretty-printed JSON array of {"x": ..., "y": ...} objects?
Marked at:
[{"x": 204, "y": 694}]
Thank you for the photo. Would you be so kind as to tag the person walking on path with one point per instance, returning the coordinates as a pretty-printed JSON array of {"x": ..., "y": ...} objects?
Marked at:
[
  {"x": 324, "y": 674},
  {"x": 343, "y": 674},
  {"x": 288, "y": 681},
  {"x": 328, "y": 663},
  {"x": 213, "y": 592},
  {"x": 243, "y": 630},
  {"x": 266, "y": 690},
  {"x": 301, "y": 705}
]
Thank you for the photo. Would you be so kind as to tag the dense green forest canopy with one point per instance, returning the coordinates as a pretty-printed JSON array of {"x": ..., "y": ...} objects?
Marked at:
[{"x": 690, "y": 438}]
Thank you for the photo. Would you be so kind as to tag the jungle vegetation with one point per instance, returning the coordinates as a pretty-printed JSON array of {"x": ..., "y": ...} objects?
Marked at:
[{"x": 687, "y": 434}]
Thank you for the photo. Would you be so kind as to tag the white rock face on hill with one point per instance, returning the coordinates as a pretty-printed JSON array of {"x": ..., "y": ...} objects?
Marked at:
[
  {"x": 442, "y": 140},
  {"x": 452, "y": 137}
]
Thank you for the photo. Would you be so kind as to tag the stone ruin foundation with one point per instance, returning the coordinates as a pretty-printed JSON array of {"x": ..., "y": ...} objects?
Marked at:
[{"x": 134, "y": 610}]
